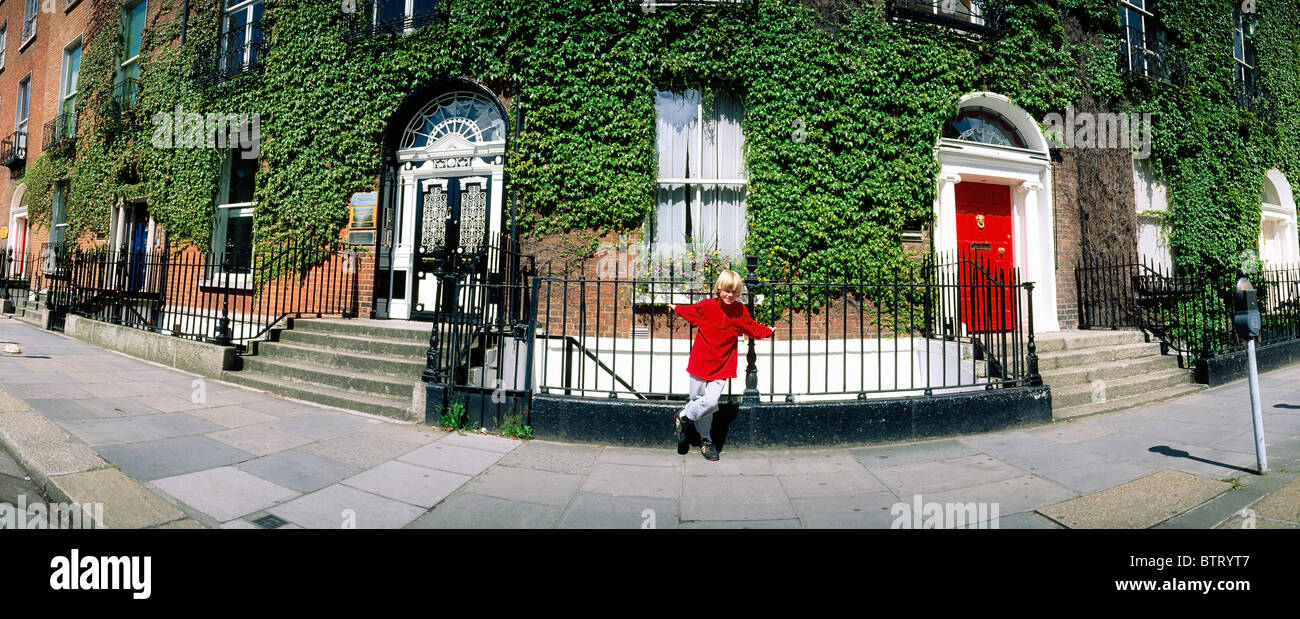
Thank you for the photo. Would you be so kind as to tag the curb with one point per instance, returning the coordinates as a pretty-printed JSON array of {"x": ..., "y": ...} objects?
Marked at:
[{"x": 67, "y": 470}]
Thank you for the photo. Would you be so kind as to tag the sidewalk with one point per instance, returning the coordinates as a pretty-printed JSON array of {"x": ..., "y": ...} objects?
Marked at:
[{"x": 161, "y": 448}]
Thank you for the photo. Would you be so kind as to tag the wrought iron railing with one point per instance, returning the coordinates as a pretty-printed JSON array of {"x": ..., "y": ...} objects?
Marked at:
[
  {"x": 13, "y": 149},
  {"x": 194, "y": 295},
  {"x": 116, "y": 100},
  {"x": 1147, "y": 53},
  {"x": 1254, "y": 97},
  {"x": 1189, "y": 311},
  {"x": 231, "y": 53},
  {"x": 364, "y": 19},
  {"x": 981, "y": 17},
  {"x": 60, "y": 131}
]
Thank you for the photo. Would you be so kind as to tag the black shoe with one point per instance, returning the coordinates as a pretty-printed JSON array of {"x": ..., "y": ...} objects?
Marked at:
[
  {"x": 709, "y": 450},
  {"x": 683, "y": 443}
]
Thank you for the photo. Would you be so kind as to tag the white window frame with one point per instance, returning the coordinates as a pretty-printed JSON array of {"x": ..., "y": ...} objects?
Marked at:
[
  {"x": 1141, "y": 27},
  {"x": 124, "y": 66},
  {"x": 1241, "y": 33},
  {"x": 249, "y": 8},
  {"x": 660, "y": 248},
  {"x": 65, "y": 97},
  {"x": 31, "y": 9},
  {"x": 59, "y": 214},
  {"x": 4, "y": 41},
  {"x": 408, "y": 14},
  {"x": 23, "y": 116}
]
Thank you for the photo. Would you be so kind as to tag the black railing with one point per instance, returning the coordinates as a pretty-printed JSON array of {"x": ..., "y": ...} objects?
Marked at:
[
  {"x": 13, "y": 149},
  {"x": 231, "y": 53},
  {"x": 1254, "y": 97},
  {"x": 1147, "y": 53},
  {"x": 195, "y": 295},
  {"x": 1190, "y": 312},
  {"x": 60, "y": 132},
  {"x": 981, "y": 17},
  {"x": 939, "y": 326},
  {"x": 116, "y": 100},
  {"x": 371, "y": 18}
]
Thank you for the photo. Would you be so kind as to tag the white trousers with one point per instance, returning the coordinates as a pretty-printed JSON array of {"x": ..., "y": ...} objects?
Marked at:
[{"x": 704, "y": 395}]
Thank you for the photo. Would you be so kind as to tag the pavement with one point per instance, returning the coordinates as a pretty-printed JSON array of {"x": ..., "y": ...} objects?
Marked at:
[{"x": 162, "y": 448}]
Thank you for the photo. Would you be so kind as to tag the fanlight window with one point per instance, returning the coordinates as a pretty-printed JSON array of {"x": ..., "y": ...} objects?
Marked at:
[
  {"x": 977, "y": 124},
  {"x": 471, "y": 116}
]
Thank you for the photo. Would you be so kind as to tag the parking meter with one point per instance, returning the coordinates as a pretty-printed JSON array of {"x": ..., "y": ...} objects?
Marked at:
[{"x": 1246, "y": 319}]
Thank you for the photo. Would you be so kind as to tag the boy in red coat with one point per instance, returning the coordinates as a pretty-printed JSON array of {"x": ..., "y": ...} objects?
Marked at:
[{"x": 720, "y": 321}]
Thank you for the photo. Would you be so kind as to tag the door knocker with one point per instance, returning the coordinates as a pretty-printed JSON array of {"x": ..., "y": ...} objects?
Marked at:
[{"x": 979, "y": 221}]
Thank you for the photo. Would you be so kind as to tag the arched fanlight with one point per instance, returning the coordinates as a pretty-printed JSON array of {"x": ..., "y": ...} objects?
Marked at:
[{"x": 978, "y": 124}]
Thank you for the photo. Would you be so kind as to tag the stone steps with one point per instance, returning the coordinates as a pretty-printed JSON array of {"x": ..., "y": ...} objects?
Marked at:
[
  {"x": 1111, "y": 405},
  {"x": 1094, "y": 372},
  {"x": 364, "y": 365}
]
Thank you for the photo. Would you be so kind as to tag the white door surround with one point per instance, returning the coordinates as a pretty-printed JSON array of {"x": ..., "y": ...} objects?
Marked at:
[
  {"x": 457, "y": 134},
  {"x": 1278, "y": 242},
  {"x": 1028, "y": 171}
]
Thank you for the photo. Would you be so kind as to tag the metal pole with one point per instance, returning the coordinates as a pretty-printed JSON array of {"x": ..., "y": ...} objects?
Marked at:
[{"x": 1261, "y": 458}]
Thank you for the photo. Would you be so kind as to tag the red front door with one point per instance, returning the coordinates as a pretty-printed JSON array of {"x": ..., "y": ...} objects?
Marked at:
[{"x": 984, "y": 232}]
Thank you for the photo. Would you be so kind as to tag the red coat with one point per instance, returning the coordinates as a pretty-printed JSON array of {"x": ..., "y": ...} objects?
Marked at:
[{"x": 713, "y": 356}]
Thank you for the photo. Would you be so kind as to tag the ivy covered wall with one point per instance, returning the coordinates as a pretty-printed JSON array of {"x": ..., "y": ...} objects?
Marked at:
[{"x": 872, "y": 95}]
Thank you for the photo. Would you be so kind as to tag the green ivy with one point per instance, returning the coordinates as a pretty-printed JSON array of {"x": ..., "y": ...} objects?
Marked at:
[{"x": 873, "y": 97}]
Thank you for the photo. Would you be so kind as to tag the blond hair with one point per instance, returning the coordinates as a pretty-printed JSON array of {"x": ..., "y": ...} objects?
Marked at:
[{"x": 730, "y": 280}]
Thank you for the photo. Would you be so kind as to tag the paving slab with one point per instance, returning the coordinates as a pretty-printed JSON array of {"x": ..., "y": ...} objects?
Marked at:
[
  {"x": 788, "y": 523},
  {"x": 869, "y": 510},
  {"x": 912, "y": 453},
  {"x": 738, "y": 465},
  {"x": 1139, "y": 504},
  {"x": 1091, "y": 477},
  {"x": 945, "y": 475},
  {"x": 453, "y": 458},
  {"x": 814, "y": 461},
  {"x": 475, "y": 511},
  {"x": 643, "y": 457},
  {"x": 633, "y": 480},
  {"x": 1025, "y": 520},
  {"x": 9, "y": 403},
  {"x": 1069, "y": 432},
  {"x": 604, "y": 511},
  {"x": 116, "y": 407},
  {"x": 111, "y": 390},
  {"x": 127, "y": 504},
  {"x": 169, "y": 457},
  {"x": 1014, "y": 495},
  {"x": 554, "y": 457},
  {"x": 826, "y": 484},
  {"x": 299, "y": 470},
  {"x": 323, "y": 426},
  {"x": 63, "y": 410},
  {"x": 166, "y": 403},
  {"x": 735, "y": 499},
  {"x": 408, "y": 483},
  {"x": 176, "y": 424},
  {"x": 110, "y": 431},
  {"x": 404, "y": 432},
  {"x": 543, "y": 487},
  {"x": 261, "y": 439},
  {"x": 337, "y": 506},
  {"x": 485, "y": 442},
  {"x": 233, "y": 416},
  {"x": 360, "y": 449},
  {"x": 225, "y": 493}
]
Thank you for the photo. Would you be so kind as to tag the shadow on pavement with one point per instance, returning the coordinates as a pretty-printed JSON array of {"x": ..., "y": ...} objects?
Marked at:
[{"x": 1178, "y": 453}]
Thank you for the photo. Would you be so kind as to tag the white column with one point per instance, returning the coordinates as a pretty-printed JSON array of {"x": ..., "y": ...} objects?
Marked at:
[{"x": 945, "y": 211}]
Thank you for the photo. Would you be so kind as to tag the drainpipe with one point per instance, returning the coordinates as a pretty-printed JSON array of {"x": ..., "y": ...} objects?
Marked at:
[
  {"x": 185, "y": 19},
  {"x": 514, "y": 193}
]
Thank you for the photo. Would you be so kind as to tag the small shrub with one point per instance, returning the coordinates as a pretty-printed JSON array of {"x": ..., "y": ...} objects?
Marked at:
[{"x": 513, "y": 426}]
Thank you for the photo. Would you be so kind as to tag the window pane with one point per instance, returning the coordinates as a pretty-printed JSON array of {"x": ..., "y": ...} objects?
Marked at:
[
  {"x": 242, "y": 175},
  {"x": 135, "y": 29},
  {"x": 423, "y": 7},
  {"x": 73, "y": 62},
  {"x": 677, "y": 130},
  {"x": 239, "y": 237}
]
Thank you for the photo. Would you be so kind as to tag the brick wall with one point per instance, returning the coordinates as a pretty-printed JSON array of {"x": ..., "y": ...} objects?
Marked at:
[{"x": 1065, "y": 211}]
